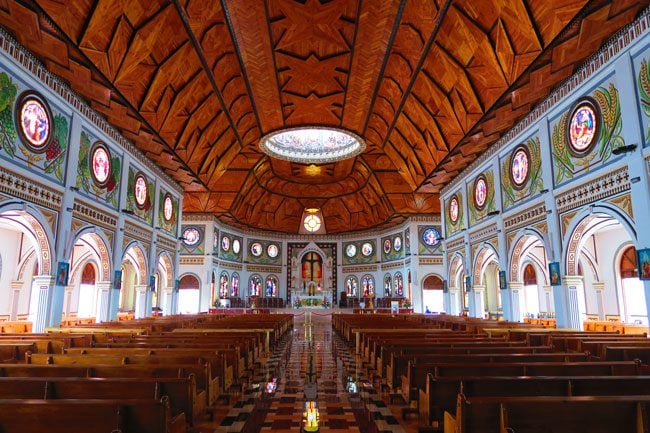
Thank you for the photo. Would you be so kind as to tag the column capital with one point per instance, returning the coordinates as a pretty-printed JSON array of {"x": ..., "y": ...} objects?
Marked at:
[
  {"x": 572, "y": 279},
  {"x": 515, "y": 285}
]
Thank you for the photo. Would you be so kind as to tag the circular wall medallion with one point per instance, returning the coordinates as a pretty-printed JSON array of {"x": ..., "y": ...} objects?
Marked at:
[
  {"x": 480, "y": 192},
  {"x": 366, "y": 249},
  {"x": 35, "y": 128},
  {"x": 225, "y": 243},
  {"x": 236, "y": 246},
  {"x": 140, "y": 190},
  {"x": 431, "y": 237},
  {"x": 584, "y": 127},
  {"x": 351, "y": 250},
  {"x": 272, "y": 251},
  {"x": 387, "y": 246},
  {"x": 454, "y": 209},
  {"x": 519, "y": 166},
  {"x": 100, "y": 164},
  {"x": 168, "y": 207},
  {"x": 256, "y": 249},
  {"x": 191, "y": 236},
  {"x": 397, "y": 243},
  {"x": 312, "y": 223}
]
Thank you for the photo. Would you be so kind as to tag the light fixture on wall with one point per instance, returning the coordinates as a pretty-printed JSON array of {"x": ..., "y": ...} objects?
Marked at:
[
  {"x": 624, "y": 149},
  {"x": 74, "y": 188},
  {"x": 181, "y": 238},
  {"x": 128, "y": 212},
  {"x": 549, "y": 211},
  {"x": 493, "y": 213},
  {"x": 543, "y": 191},
  {"x": 635, "y": 179}
]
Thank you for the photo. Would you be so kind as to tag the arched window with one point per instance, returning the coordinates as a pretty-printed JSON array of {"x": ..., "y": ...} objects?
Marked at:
[
  {"x": 271, "y": 286},
  {"x": 87, "y": 292},
  {"x": 351, "y": 285},
  {"x": 188, "y": 295},
  {"x": 368, "y": 285},
  {"x": 399, "y": 284},
  {"x": 223, "y": 285},
  {"x": 254, "y": 285},
  {"x": 387, "y": 285},
  {"x": 530, "y": 277},
  {"x": 531, "y": 292},
  {"x": 432, "y": 294},
  {"x": 234, "y": 285},
  {"x": 628, "y": 266}
]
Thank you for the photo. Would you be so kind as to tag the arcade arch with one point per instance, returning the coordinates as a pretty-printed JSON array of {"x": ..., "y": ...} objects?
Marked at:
[
  {"x": 188, "y": 294},
  {"x": 487, "y": 295},
  {"x": 134, "y": 281},
  {"x": 529, "y": 278},
  {"x": 433, "y": 293}
]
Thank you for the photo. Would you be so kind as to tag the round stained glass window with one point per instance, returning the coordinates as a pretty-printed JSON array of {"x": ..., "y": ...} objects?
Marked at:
[
  {"x": 312, "y": 144},
  {"x": 366, "y": 249},
  {"x": 431, "y": 237},
  {"x": 387, "y": 246},
  {"x": 454, "y": 209},
  {"x": 584, "y": 126},
  {"x": 191, "y": 236},
  {"x": 35, "y": 127},
  {"x": 272, "y": 251},
  {"x": 480, "y": 192},
  {"x": 225, "y": 243},
  {"x": 397, "y": 243},
  {"x": 312, "y": 223},
  {"x": 236, "y": 246},
  {"x": 168, "y": 207},
  {"x": 351, "y": 250},
  {"x": 100, "y": 164},
  {"x": 140, "y": 191},
  {"x": 519, "y": 166},
  {"x": 256, "y": 249}
]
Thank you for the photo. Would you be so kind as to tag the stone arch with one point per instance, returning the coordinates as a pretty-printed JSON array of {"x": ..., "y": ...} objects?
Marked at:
[
  {"x": 100, "y": 248},
  {"x": 167, "y": 262},
  {"x": 138, "y": 260},
  {"x": 80, "y": 263},
  {"x": 429, "y": 275},
  {"x": 484, "y": 256},
  {"x": 22, "y": 267},
  {"x": 37, "y": 228},
  {"x": 588, "y": 221},
  {"x": 524, "y": 241},
  {"x": 457, "y": 262}
]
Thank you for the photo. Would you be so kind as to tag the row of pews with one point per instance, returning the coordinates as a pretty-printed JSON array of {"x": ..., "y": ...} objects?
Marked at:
[
  {"x": 471, "y": 375},
  {"x": 151, "y": 375}
]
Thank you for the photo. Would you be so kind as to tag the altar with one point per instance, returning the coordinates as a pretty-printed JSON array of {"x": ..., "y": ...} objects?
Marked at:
[{"x": 322, "y": 299}]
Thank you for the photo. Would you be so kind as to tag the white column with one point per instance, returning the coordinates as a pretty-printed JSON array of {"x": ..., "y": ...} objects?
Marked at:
[
  {"x": 103, "y": 300},
  {"x": 599, "y": 287},
  {"x": 574, "y": 290},
  {"x": 16, "y": 287},
  {"x": 516, "y": 291},
  {"x": 42, "y": 285},
  {"x": 478, "y": 293},
  {"x": 140, "y": 300}
]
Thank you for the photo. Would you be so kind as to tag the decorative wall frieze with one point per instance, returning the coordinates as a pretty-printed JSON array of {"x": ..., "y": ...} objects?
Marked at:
[
  {"x": 483, "y": 234},
  {"x": 264, "y": 269},
  {"x": 433, "y": 219},
  {"x": 431, "y": 260},
  {"x": 231, "y": 266},
  {"x": 137, "y": 232},
  {"x": 359, "y": 269},
  {"x": 191, "y": 260},
  {"x": 616, "y": 44},
  {"x": 29, "y": 190},
  {"x": 13, "y": 49},
  {"x": 167, "y": 243},
  {"x": 593, "y": 190},
  {"x": 456, "y": 244},
  {"x": 93, "y": 215},
  {"x": 392, "y": 265},
  {"x": 526, "y": 217}
]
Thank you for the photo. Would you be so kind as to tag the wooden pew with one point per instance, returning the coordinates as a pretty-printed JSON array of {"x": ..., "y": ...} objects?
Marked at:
[
  {"x": 441, "y": 392},
  {"x": 550, "y": 414},
  {"x": 180, "y": 391},
  {"x": 84, "y": 416}
]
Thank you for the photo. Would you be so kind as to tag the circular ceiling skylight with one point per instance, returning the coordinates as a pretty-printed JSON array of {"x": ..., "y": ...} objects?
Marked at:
[{"x": 313, "y": 144}]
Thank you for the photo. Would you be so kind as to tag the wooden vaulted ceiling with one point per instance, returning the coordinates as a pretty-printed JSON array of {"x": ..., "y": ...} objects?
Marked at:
[{"x": 429, "y": 84}]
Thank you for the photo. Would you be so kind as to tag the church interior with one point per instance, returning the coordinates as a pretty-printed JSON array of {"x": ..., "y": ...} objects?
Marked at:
[{"x": 324, "y": 215}]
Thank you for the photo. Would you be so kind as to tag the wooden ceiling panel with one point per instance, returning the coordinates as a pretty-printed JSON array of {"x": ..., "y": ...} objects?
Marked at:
[{"x": 429, "y": 86}]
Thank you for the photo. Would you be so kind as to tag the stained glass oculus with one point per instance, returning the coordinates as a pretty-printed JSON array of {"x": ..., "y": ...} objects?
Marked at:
[
  {"x": 191, "y": 236},
  {"x": 519, "y": 166},
  {"x": 312, "y": 223},
  {"x": 454, "y": 209},
  {"x": 583, "y": 127},
  {"x": 351, "y": 250},
  {"x": 100, "y": 159},
  {"x": 431, "y": 237},
  {"x": 35, "y": 121},
  {"x": 480, "y": 192},
  {"x": 312, "y": 144}
]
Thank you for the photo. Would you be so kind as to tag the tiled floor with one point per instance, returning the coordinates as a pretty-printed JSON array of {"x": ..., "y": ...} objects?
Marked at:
[{"x": 308, "y": 355}]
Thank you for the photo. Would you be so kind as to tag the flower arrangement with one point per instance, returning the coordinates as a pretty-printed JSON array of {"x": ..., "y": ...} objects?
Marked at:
[
  {"x": 406, "y": 303},
  {"x": 326, "y": 303}
]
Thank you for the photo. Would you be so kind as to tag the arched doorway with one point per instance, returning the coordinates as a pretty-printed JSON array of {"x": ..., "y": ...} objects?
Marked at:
[
  {"x": 485, "y": 288},
  {"x": 458, "y": 297},
  {"x": 134, "y": 282},
  {"x": 83, "y": 298},
  {"x": 188, "y": 294},
  {"x": 25, "y": 255},
  {"x": 631, "y": 291},
  {"x": 531, "y": 291},
  {"x": 593, "y": 251},
  {"x": 432, "y": 294}
]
